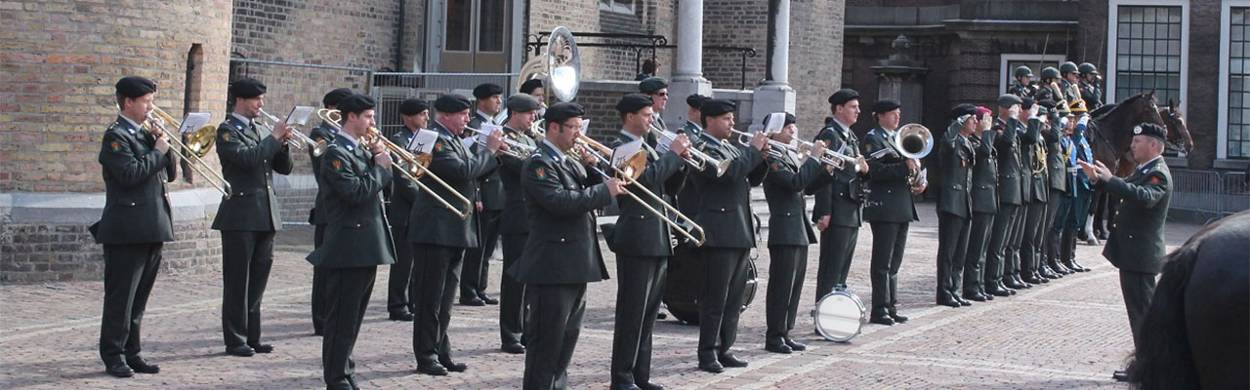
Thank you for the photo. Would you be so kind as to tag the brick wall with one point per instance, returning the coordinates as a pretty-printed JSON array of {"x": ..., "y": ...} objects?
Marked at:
[
  {"x": 816, "y": 46},
  {"x": 62, "y": 252},
  {"x": 60, "y": 61}
]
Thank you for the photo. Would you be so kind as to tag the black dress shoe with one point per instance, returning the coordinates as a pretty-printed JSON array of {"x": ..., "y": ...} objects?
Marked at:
[
  {"x": 513, "y": 348},
  {"x": 119, "y": 369},
  {"x": 1012, "y": 284},
  {"x": 453, "y": 366},
  {"x": 475, "y": 301},
  {"x": 261, "y": 348},
  {"x": 630, "y": 386},
  {"x": 434, "y": 369},
  {"x": 402, "y": 316},
  {"x": 898, "y": 318},
  {"x": 1120, "y": 375},
  {"x": 1077, "y": 266},
  {"x": 883, "y": 320},
  {"x": 1034, "y": 279},
  {"x": 711, "y": 366},
  {"x": 997, "y": 291},
  {"x": 949, "y": 301},
  {"x": 729, "y": 360},
  {"x": 1060, "y": 269},
  {"x": 962, "y": 302},
  {"x": 649, "y": 386},
  {"x": 351, "y": 380},
  {"x": 1048, "y": 273},
  {"x": 795, "y": 345},
  {"x": 975, "y": 297},
  {"x": 240, "y": 350},
  {"x": 487, "y": 299},
  {"x": 137, "y": 364},
  {"x": 778, "y": 348}
]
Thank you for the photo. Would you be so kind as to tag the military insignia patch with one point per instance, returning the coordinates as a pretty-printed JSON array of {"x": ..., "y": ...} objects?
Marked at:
[
  {"x": 225, "y": 136},
  {"x": 117, "y": 146},
  {"x": 541, "y": 172},
  {"x": 776, "y": 166},
  {"x": 338, "y": 165},
  {"x": 1154, "y": 180},
  {"x": 438, "y": 146}
]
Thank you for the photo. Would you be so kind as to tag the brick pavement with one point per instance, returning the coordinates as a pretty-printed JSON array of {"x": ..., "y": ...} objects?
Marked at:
[{"x": 1070, "y": 333}]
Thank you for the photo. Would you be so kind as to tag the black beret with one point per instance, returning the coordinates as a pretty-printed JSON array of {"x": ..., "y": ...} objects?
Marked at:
[
  {"x": 332, "y": 98},
  {"x": 885, "y": 105},
  {"x": 843, "y": 96},
  {"x": 247, "y": 88},
  {"x": 717, "y": 107},
  {"x": 483, "y": 91},
  {"x": 1152, "y": 130},
  {"x": 530, "y": 85},
  {"x": 696, "y": 100},
  {"x": 1007, "y": 100},
  {"x": 135, "y": 86},
  {"x": 355, "y": 103},
  {"x": 1026, "y": 102},
  {"x": 562, "y": 111},
  {"x": 963, "y": 109},
  {"x": 633, "y": 102},
  {"x": 413, "y": 106},
  {"x": 523, "y": 103},
  {"x": 651, "y": 85},
  {"x": 450, "y": 103},
  {"x": 790, "y": 119}
]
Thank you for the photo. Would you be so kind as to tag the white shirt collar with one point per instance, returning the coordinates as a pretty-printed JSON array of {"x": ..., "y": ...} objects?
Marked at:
[
  {"x": 1140, "y": 166},
  {"x": 889, "y": 133},
  {"x": 629, "y": 135},
  {"x": 695, "y": 124},
  {"x": 489, "y": 118},
  {"x": 559, "y": 155},
  {"x": 132, "y": 123},
  {"x": 350, "y": 139},
  {"x": 241, "y": 118},
  {"x": 843, "y": 125}
]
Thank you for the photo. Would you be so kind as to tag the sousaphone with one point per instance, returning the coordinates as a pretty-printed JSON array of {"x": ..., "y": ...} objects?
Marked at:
[{"x": 560, "y": 67}]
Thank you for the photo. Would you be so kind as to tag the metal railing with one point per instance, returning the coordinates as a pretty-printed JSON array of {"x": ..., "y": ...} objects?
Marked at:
[
  {"x": 639, "y": 43},
  {"x": 390, "y": 89},
  {"x": 1218, "y": 193}
]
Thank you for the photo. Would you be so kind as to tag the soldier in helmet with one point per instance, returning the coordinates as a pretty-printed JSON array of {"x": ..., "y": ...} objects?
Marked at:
[
  {"x": 1023, "y": 85},
  {"x": 1050, "y": 90},
  {"x": 1069, "y": 84},
  {"x": 1090, "y": 91}
]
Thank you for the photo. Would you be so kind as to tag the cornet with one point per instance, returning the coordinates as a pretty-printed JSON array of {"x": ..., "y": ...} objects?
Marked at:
[{"x": 298, "y": 140}]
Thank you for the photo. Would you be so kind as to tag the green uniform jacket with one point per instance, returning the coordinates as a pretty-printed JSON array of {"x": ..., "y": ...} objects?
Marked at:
[
  {"x": 357, "y": 234},
  {"x": 955, "y": 158},
  {"x": 638, "y": 231},
  {"x": 784, "y": 187},
  {"x": 1007, "y": 145},
  {"x": 985, "y": 173},
  {"x": 248, "y": 161},
  {"x": 687, "y": 195},
  {"x": 1031, "y": 148},
  {"x": 889, "y": 195},
  {"x": 490, "y": 187},
  {"x": 328, "y": 133},
  {"x": 430, "y": 222},
  {"x": 725, "y": 201},
  {"x": 514, "y": 219},
  {"x": 136, "y": 205},
  {"x": 1136, "y": 242},
  {"x": 403, "y": 192},
  {"x": 842, "y": 198},
  {"x": 1055, "y": 160},
  {"x": 562, "y": 247}
]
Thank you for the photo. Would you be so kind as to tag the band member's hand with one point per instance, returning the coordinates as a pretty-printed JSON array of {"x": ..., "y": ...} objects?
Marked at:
[
  {"x": 759, "y": 141},
  {"x": 680, "y": 145},
  {"x": 383, "y": 160},
  {"x": 823, "y": 223},
  {"x": 162, "y": 143},
  {"x": 919, "y": 187},
  {"x": 376, "y": 147},
  {"x": 818, "y": 150},
  {"x": 615, "y": 186},
  {"x": 478, "y": 205},
  {"x": 588, "y": 159},
  {"x": 281, "y": 131},
  {"x": 913, "y": 165},
  {"x": 494, "y": 142},
  {"x": 861, "y": 165}
]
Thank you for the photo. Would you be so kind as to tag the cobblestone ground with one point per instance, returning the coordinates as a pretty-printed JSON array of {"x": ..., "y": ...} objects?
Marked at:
[{"x": 1070, "y": 333}]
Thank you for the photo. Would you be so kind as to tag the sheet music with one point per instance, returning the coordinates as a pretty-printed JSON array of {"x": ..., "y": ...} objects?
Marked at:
[
  {"x": 666, "y": 138},
  {"x": 623, "y": 152},
  {"x": 299, "y": 115},
  {"x": 488, "y": 128},
  {"x": 194, "y": 121},
  {"x": 423, "y": 141},
  {"x": 469, "y": 142},
  {"x": 776, "y": 121},
  {"x": 585, "y": 125}
]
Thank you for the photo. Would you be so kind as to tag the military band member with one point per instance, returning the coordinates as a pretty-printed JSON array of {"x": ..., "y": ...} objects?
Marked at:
[
  {"x": 1034, "y": 179},
  {"x": 657, "y": 89},
  {"x": 323, "y": 132},
  {"x": 1022, "y": 85},
  {"x": 954, "y": 201},
  {"x": 789, "y": 233},
  {"x": 1136, "y": 244},
  {"x": 1056, "y": 173},
  {"x": 562, "y": 253},
  {"x": 691, "y": 128},
  {"x": 642, "y": 245},
  {"x": 514, "y": 223},
  {"x": 535, "y": 88},
  {"x": 837, "y": 209},
  {"x": 687, "y": 195},
  {"x": 439, "y": 237},
  {"x": 1090, "y": 91},
  {"x": 489, "y": 203},
  {"x": 889, "y": 210},
  {"x": 249, "y": 218},
  {"x": 415, "y": 116},
  {"x": 353, "y": 176},
  {"x": 1001, "y": 263},
  {"x": 984, "y": 193},
  {"x": 726, "y": 217},
  {"x": 136, "y": 163}
]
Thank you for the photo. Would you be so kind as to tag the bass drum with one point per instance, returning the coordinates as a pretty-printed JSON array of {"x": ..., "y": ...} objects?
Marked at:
[{"x": 685, "y": 283}]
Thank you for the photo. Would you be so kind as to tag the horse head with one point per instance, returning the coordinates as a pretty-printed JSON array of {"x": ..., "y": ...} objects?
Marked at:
[{"x": 1178, "y": 133}]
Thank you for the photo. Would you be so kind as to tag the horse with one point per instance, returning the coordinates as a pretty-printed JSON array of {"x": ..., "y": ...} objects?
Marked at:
[
  {"x": 1195, "y": 334},
  {"x": 1111, "y": 129}
]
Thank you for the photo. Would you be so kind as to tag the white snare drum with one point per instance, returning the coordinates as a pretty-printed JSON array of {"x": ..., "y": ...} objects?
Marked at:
[{"x": 839, "y": 316}]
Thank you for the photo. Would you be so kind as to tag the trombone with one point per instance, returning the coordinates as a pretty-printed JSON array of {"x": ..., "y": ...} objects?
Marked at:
[
  {"x": 633, "y": 167},
  {"x": 829, "y": 157},
  {"x": 298, "y": 139},
  {"x": 199, "y": 142},
  {"x": 697, "y": 160},
  {"x": 516, "y": 149},
  {"x": 413, "y": 167}
]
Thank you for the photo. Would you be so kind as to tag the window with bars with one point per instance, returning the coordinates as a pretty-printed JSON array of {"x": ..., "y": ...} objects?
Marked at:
[
  {"x": 1148, "y": 51},
  {"x": 1239, "y": 83}
]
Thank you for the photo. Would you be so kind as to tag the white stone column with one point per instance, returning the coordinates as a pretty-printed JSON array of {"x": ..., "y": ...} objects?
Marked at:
[
  {"x": 688, "y": 67},
  {"x": 774, "y": 93}
]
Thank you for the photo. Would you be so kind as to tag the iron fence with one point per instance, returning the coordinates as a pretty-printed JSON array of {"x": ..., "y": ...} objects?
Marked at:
[
  {"x": 1218, "y": 193},
  {"x": 389, "y": 89}
]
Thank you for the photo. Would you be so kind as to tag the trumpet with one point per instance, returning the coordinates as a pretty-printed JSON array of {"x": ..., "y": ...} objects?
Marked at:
[
  {"x": 829, "y": 157},
  {"x": 199, "y": 143},
  {"x": 516, "y": 149},
  {"x": 413, "y": 167},
  {"x": 631, "y": 169},
  {"x": 298, "y": 139},
  {"x": 697, "y": 159}
]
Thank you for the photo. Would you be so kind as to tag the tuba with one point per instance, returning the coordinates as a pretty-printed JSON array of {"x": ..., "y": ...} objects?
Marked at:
[{"x": 560, "y": 67}]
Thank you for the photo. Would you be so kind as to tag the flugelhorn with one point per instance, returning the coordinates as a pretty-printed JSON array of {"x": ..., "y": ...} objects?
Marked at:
[
  {"x": 298, "y": 140},
  {"x": 413, "y": 167},
  {"x": 697, "y": 159},
  {"x": 193, "y": 151},
  {"x": 629, "y": 172}
]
